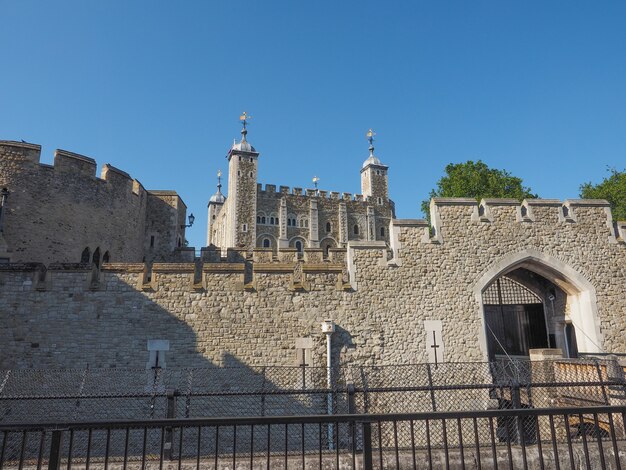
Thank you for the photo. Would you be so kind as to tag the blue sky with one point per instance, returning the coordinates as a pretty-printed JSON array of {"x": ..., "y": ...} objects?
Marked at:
[{"x": 155, "y": 88}]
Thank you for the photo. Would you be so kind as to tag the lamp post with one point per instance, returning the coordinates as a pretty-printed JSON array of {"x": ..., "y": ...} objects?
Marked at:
[
  {"x": 4, "y": 194},
  {"x": 328, "y": 328}
]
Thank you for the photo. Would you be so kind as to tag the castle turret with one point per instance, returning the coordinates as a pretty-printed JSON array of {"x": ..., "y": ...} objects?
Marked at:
[
  {"x": 242, "y": 186},
  {"x": 374, "y": 182},
  {"x": 216, "y": 203}
]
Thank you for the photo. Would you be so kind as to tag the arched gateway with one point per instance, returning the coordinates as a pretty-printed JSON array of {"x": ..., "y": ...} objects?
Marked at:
[{"x": 530, "y": 299}]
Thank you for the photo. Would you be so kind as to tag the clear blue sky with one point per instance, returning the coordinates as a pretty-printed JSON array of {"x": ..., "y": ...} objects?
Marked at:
[{"x": 156, "y": 87}]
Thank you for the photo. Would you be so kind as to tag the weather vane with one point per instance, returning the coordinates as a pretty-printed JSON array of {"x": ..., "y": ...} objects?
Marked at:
[
  {"x": 244, "y": 118},
  {"x": 315, "y": 181},
  {"x": 219, "y": 177},
  {"x": 370, "y": 137}
]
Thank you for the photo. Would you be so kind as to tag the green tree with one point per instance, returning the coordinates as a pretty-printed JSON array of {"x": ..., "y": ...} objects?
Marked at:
[
  {"x": 613, "y": 189},
  {"x": 477, "y": 180}
]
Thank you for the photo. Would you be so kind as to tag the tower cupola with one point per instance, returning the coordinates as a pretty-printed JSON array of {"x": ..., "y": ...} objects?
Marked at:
[{"x": 374, "y": 175}]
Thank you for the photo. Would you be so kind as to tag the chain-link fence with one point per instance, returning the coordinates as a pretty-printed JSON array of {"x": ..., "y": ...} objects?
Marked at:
[{"x": 30, "y": 396}]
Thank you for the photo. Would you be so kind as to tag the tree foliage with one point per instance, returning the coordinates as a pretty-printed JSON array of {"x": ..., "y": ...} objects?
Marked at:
[
  {"x": 613, "y": 189},
  {"x": 477, "y": 180}
]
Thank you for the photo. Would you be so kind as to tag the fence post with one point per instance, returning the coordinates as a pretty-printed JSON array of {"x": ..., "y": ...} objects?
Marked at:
[
  {"x": 605, "y": 397},
  {"x": 516, "y": 402},
  {"x": 367, "y": 446},
  {"x": 350, "y": 391},
  {"x": 55, "y": 450},
  {"x": 351, "y": 402},
  {"x": 171, "y": 413}
]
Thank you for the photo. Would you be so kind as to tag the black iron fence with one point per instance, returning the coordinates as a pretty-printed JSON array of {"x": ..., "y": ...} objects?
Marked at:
[
  {"x": 112, "y": 394},
  {"x": 565, "y": 438}
]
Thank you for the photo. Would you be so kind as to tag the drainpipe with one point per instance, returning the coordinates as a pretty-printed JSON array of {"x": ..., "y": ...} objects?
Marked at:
[{"x": 328, "y": 328}]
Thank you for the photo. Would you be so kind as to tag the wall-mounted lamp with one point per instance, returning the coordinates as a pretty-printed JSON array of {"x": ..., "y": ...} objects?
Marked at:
[{"x": 191, "y": 221}]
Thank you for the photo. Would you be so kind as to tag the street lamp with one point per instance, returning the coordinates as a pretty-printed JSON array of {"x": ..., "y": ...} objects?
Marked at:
[{"x": 191, "y": 221}]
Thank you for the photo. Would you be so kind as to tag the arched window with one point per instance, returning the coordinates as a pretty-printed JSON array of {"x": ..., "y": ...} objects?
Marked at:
[
  {"x": 263, "y": 219},
  {"x": 85, "y": 256},
  {"x": 327, "y": 251},
  {"x": 258, "y": 219},
  {"x": 213, "y": 216},
  {"x": 289, "y": 222},
  {"x": 298, "y": 246},
  {"x": 328, "y": 227},
  {"x": 380, "y": 200},
  {"x": 267, "y": 243},
  {"x": 355, "y": 229},
  {"x": 382, "y": 231},
  {"x": 106, "y": 257}
]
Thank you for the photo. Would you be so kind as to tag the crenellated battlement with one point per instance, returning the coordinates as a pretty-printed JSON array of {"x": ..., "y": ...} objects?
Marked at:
[
  {"x": 242, "y": 272},
  {"x": 23, "y": 156},
  {"x": 452, "y": 216},
  {"x": 63, "y": 212},
  {"x": 271, "y": 190}
]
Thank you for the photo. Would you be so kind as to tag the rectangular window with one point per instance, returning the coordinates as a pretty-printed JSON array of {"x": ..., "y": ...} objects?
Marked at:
[
  {"x": 244, "y": 228},
  {"x": 151, "y": 241}
]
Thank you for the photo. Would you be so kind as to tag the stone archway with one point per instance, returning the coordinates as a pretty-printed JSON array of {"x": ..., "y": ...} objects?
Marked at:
[{"x": 580, "y": 308}]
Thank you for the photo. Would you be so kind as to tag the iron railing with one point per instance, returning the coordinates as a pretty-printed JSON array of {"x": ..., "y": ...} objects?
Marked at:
[{"x": 565, "y": 438}]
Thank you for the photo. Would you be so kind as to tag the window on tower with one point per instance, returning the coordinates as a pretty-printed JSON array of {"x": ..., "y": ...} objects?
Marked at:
[
  {"x": 328, "y": 227},
  {"x": 356, "y": 229}
]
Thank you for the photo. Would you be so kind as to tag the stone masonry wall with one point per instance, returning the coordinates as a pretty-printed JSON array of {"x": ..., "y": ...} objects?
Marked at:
[
  {"x": 54, "y": 212},
  {"x": 251, "y": 311},
  {"x": 268, "y": 204}
]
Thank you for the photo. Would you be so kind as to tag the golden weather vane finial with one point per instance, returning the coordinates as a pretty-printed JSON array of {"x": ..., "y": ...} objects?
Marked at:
[
  {"x": 244, "y": 118},
  {"x": 370, "y": 137}
]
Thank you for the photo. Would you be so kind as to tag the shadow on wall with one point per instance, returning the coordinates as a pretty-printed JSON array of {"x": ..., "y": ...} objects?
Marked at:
[{"x": 89, "y": 348}]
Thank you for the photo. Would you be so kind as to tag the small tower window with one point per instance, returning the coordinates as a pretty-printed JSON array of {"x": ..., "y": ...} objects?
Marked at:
[
  {"x": 328, "y": 227},
  {"x": 258, "y": 219},
  {"x": 263, "y": 220},
  {"x": 213, "y": 216},
  {"x": 289, "y": 222},
  {"x": 298, "y": 246},
  {"x": 151, "y": 241},
  {"x": 238, "y": 173},
  {"x": 250, "y": 174},
  {"x": 355, "y": 229},
  {"x": 84, "y": 257},
  {"x": 267, "y": 243},
  {"x": 106, "y": 258},
  {"x": 244, "y": 228},
  {"x": 271, "y": 220},
  {"x": 380, "y": 200},
  {"x": 382, "y": 231}
]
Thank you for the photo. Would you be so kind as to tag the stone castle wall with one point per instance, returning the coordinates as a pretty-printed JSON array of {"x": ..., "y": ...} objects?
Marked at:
[
  {"x": 55, "y": 211},
  {"x": 328, "y": 207},
  {"x": 233, "y": 310}
]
